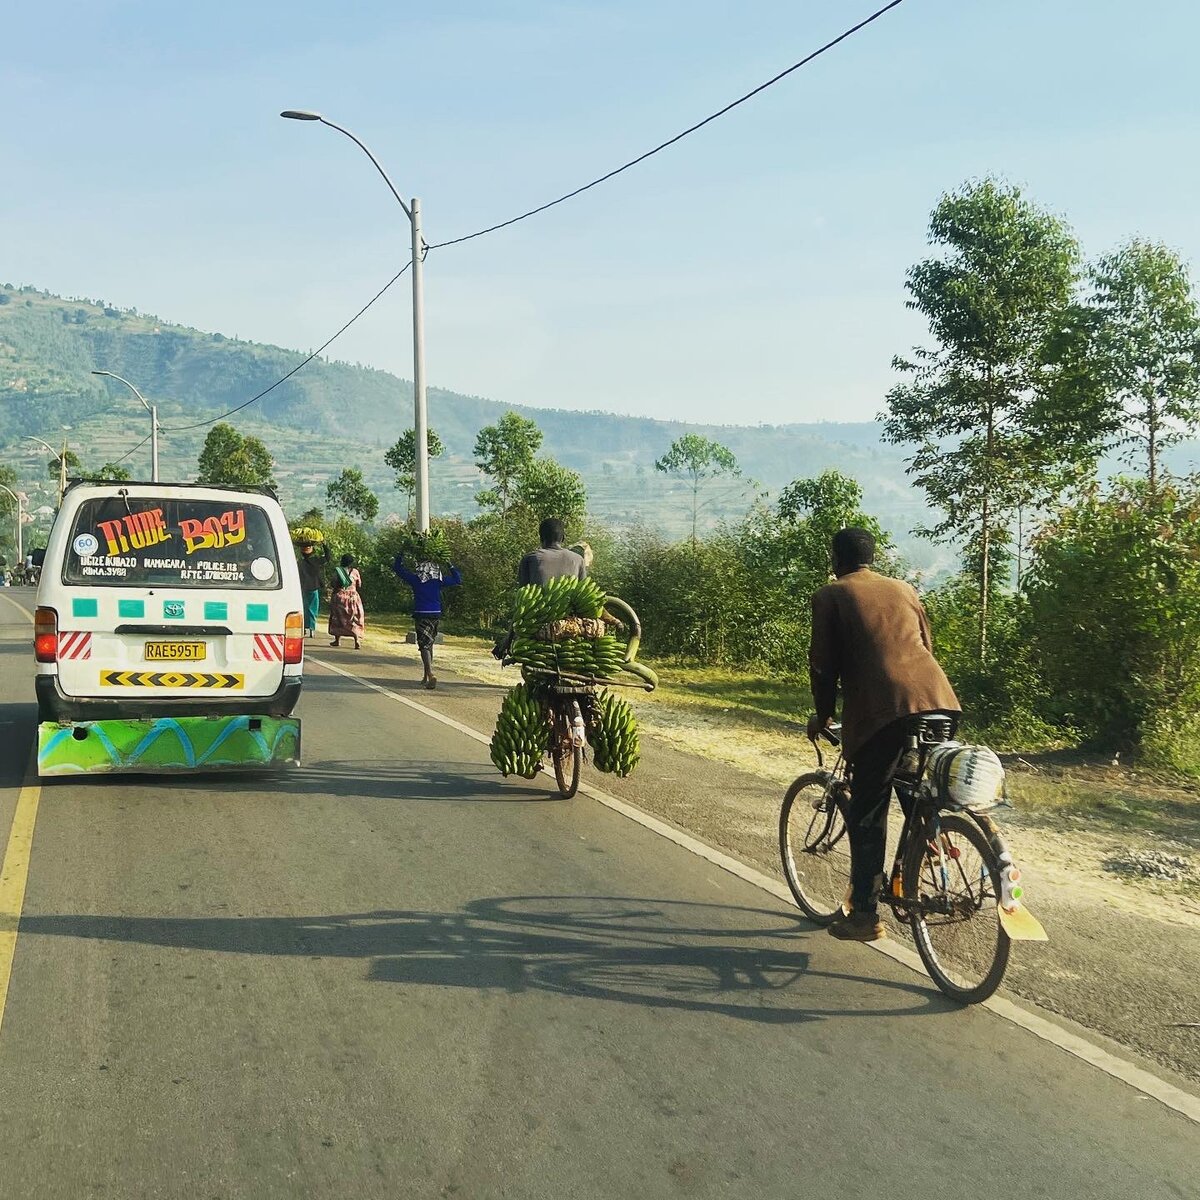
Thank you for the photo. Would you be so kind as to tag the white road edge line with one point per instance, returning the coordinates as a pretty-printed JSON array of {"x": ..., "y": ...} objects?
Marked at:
[
  {"x": 1177, "y": 1099},
  {"x": 19, "y": 607}
]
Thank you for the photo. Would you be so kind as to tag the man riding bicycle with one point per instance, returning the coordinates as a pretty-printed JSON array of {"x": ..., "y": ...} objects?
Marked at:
[
  {"x": 871, "y": 634},
  {"x": 552, "y": 559}
]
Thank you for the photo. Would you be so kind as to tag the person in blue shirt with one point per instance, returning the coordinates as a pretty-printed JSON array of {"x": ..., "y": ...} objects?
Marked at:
[{"x": 427, "y": 580}]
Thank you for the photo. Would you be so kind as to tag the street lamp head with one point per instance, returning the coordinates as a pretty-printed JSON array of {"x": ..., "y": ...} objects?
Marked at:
[{"x": 300, "y": 114}]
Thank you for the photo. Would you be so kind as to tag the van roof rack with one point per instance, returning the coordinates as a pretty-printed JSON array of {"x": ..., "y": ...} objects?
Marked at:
[{"x": 220, "y": 487}]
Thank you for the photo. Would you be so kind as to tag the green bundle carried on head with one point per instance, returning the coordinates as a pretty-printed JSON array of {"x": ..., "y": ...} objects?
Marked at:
[
  {"x": 432, "y": 546},
  {"x": 303, "y": 534}
]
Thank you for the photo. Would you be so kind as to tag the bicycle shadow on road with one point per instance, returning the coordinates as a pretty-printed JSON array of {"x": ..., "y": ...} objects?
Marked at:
[{"x": 746, "y": 963}]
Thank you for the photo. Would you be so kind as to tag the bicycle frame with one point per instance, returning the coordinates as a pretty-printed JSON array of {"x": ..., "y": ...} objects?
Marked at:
[{"x": 922, "y": 819}]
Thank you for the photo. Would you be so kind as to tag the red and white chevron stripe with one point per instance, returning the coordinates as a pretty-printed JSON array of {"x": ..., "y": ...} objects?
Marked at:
[
  {"x": 268, "y": 647},
  {"x": 74, "y": 646}
]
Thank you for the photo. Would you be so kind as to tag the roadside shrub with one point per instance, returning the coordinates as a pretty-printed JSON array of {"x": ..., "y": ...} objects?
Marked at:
[
  {"x": 707, "y": 603},
  {"x": 1114, "y": 598},
  {"x": 1005, "y": 699}
]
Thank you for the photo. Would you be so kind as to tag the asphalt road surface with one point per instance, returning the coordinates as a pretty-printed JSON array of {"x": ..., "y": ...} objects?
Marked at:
[{"x": 393, "y": 974}]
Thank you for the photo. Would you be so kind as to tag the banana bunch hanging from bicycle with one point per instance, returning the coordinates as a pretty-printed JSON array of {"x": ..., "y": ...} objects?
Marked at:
[{"x": 571, "y": 642}]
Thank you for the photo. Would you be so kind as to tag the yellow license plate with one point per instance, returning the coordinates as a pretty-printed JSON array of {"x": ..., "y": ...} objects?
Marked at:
[{"x": 176, "y": 651}]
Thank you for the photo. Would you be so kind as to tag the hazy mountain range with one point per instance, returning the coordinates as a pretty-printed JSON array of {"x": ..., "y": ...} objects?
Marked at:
[{"x": 334, "y": 414}]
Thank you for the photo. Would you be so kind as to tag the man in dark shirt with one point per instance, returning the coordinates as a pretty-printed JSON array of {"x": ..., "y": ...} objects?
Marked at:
[
  {"x": 553, "y": 559},
  {"x": 870, "y": 633}
]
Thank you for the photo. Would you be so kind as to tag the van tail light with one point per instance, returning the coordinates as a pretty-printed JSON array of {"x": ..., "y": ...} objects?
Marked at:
[
  {"x": 293, "y": 639},
  {"x": 45, "y": 635}
]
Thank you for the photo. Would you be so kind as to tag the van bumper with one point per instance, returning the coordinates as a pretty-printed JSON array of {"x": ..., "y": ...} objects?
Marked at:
[
  {"x": 55, "y": 705},
  {"x": 167, "y": 744}
]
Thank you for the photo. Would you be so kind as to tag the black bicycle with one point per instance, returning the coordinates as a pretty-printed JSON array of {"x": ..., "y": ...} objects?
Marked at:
[{"x": 952, "y": 880}]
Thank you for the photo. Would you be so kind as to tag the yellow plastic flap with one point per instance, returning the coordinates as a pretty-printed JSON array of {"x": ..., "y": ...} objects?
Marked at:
[{"x": 1021, "y": 925}]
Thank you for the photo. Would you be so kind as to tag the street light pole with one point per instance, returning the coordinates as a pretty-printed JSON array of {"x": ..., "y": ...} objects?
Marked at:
[
  {"x": 20, "y": 542},
  {"x": 420, "y": 413},
  {"x": 152, "y": 409},
  {"x": 62, "y": 464}
]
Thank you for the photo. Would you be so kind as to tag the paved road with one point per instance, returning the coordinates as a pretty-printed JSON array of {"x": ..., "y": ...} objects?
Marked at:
[{"x": 393, "y": 974}]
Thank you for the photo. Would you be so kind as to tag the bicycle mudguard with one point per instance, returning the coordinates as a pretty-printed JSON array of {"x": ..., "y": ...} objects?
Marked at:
[{"x": 1021, "y": 925}]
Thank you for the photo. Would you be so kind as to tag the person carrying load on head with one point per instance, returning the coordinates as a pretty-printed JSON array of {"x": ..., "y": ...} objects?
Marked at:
[
  {"x": 312, "y": 577},
  {"x": 871, "y": 634},
  {"x": 427, "y": 580}
]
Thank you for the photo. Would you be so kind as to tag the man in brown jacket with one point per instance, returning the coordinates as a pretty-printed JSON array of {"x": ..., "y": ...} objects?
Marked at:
[{"x": 870, "y": 633}]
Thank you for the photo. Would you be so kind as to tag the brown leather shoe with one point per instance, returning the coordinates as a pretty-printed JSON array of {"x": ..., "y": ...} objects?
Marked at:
[{"x": 858, "y": 927}]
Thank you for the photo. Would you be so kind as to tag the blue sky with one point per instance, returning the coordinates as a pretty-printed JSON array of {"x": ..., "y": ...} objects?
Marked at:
[{"x": 753, "y": 273}]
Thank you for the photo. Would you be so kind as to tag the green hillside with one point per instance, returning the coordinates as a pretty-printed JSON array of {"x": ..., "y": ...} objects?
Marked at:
[{"x": 334, "y": 414}]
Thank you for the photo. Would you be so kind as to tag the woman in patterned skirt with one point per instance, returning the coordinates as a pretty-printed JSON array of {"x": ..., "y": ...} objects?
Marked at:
[{"x": 346, "y": 616}]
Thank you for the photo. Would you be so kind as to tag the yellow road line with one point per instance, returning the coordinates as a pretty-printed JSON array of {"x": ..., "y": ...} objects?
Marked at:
[
  {"x": 15, "y": 869},
  {"x": 13, "y": 875}
]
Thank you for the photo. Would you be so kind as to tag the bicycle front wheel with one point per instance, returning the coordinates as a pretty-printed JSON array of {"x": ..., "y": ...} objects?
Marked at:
[
  {"x": 568, "y": 757},
  {"x": 952, "y": 889},
  {"x": 815, "y": 848}
]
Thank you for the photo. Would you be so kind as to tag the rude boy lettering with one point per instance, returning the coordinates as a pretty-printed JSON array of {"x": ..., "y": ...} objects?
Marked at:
[
  {"x": 136, "y": 531},
  {"x": 213, "y": 533}
]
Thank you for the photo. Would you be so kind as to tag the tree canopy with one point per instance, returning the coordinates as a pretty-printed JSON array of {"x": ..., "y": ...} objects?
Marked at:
[
  {"x": 402, "y": 458},
  {"x": 348, "y": 493},
  {"x": 697, "y": 458},
  {"x": 231, "y": 459},
  {"x": 503, "y": 452},
  {"x": 993, "y": 300}
]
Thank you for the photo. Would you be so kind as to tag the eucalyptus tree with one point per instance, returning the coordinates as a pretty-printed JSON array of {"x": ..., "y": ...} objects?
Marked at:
[
  {"x": 1145, "y": 340},
  {"x": 993, "y": 300},
  {"x": 697, "y": 458}
]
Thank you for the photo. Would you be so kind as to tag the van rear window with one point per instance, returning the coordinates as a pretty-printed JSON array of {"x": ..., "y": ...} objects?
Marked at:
[{"x": 144, "y": 542}]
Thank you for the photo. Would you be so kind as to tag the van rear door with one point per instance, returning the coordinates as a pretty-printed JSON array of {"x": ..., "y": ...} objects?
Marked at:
[{"x": 171, "y": 595}]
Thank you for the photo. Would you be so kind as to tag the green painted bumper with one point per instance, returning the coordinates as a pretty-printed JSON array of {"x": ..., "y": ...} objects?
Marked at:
[{"x": 168, "y": 744}]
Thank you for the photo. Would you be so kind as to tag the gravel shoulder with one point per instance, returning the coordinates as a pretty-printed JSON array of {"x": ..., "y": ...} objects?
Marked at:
[{"x": 1124, "y": 952}]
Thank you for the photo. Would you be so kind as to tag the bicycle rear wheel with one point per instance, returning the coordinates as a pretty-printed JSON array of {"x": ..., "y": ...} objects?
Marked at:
[
  {"x": 952, "y": 894},
  {"x": 568, "y": 757},
  {"x": 815, "y": 848}
]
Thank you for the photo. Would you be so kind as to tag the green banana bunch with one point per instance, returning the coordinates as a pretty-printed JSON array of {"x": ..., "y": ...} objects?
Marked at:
[
  {"x": 531, "y": 609},
  {"x": 608, "y": 654},
  {"x": 599, "y": 658},
  {"x": 587, "y": 600},
  {"x": 530, "y": 653},
  {"x": 614, "y": 735},
  {"x": 521, "y": 736}
]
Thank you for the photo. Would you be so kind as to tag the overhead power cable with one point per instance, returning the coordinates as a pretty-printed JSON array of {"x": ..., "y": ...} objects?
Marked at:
[
  {"x": 298, "y": 367},
  {"x": 117, "y": 462},
  {"x": 633, "y": 162}
]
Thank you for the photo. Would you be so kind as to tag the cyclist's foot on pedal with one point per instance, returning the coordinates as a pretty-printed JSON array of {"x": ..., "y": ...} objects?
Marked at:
[{"x": 858, "y": 927}]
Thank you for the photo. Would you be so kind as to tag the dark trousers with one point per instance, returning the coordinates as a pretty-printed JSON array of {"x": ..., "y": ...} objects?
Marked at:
[{"x": 872, "y": 770}]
